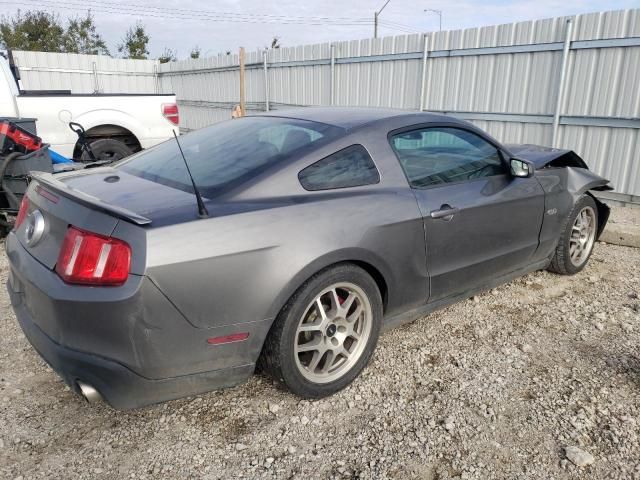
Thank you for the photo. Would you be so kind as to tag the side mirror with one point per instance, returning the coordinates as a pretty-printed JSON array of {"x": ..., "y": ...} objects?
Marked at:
[{"x": 521, "y": 168}]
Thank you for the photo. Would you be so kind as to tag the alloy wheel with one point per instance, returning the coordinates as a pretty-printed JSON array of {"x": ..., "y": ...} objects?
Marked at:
[
  {"x": 333, "y": 332},
  {"x": 583, "y": 234}
]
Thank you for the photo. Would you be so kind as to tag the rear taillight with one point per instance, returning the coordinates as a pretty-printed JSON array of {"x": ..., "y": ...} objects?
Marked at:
[
  {"x": 87, "y": 258},
  {"x": 170, "y": 112},
  {"x": 22, "y": 213}
]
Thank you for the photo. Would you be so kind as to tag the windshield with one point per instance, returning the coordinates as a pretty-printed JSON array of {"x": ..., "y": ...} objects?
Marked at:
[{"x": 227, "y": 154}]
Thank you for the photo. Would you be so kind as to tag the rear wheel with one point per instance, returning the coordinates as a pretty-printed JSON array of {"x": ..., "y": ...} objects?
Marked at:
[
  {"x": 577, "y": 239},
  {"x": 326, "y": 334},
  {"x": 107, "y": 149}
]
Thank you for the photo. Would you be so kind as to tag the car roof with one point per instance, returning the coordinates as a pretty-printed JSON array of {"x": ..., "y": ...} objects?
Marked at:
[{"x": 353, "y": 117}]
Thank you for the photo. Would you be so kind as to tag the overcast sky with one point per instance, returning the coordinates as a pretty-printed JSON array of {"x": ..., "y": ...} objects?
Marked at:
[{"x": 166, "y": 29}]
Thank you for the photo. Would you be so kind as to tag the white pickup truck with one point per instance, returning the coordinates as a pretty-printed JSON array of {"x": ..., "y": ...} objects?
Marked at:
[{"x": 116, "y": 124}]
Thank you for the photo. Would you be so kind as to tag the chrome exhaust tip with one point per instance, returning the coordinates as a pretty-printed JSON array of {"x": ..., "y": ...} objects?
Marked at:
[{"x": 89, "y": 393}]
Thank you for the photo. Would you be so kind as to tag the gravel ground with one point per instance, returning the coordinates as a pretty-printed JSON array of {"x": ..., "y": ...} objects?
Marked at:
[{"x": 503, "y": 385}]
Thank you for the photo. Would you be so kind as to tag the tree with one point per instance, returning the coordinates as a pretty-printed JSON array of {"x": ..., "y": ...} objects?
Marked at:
[
  {"x": 134, "y": 43},
  {"x": 81, "y": 37},
  {"x": 42, "y": 31},
  {"x": 35, "y": 30},
  {"x": 195, "y": 52},
  {"x": 167, "y": 56},
  {"x": 275, "y": 43}
]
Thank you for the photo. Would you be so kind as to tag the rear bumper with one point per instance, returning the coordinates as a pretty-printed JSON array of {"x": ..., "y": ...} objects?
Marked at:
[
  {"x": 130, "y": 343},
  {"x": 118, "y": 385}
]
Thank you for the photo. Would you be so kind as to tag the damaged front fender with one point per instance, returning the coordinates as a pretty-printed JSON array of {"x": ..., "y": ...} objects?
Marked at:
[
  {"x": 565, "y": 177},
  {"x": 563, "y": 186},
  {"x": 581, "y": 181}
]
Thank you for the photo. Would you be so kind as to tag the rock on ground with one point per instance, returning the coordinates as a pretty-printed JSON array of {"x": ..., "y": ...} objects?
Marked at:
[{"x": 578, "y": 457}]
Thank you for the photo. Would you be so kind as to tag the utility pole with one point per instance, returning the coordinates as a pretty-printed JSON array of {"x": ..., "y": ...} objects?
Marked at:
[
  {"x": 375, "y": 25},
  {"x": 437, "y": 12},
  {"x": 375, "y": 19}
]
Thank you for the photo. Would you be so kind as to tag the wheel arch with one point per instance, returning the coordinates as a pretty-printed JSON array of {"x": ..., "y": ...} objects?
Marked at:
[
  {"x": 368, "y": 261},
  {"x": 103, "y": 121},
  {"x": 116, "y": 132},
  {"x": 603, "y": 213},
  {"x": 581, "y": 181}
]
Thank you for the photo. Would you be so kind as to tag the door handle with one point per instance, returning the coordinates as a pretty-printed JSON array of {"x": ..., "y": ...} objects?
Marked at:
[{"x": 446, "y": 212}]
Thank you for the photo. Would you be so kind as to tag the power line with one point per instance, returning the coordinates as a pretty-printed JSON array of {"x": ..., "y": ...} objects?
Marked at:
[
  {"x": 207, "y": 15},
  {"x": 398, "y": 26},
  {"x": 259, "y": 15},
  {"x": 183, "y": 15},
  {"x": 397, "y": 29}
]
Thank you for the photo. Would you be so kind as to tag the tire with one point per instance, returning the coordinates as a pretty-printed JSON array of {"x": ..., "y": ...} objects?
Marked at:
[
  {"x": 107, "y": 149},
  {"x": 565, "y": 261},
  {"x": 287, "y": 355}
]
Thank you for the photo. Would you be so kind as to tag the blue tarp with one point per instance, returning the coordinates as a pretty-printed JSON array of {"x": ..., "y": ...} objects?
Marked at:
[{"x": 57, "y": 158}]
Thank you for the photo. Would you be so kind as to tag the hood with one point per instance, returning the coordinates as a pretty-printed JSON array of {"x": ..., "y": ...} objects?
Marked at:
[{"x": 546, "y": 156}]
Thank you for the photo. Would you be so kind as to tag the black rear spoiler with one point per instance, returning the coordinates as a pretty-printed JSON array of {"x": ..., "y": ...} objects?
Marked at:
[{"x": 49, "y": 180}]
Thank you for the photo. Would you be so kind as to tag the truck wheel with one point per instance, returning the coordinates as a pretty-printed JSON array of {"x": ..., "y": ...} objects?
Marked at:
[
  {"x": 326, "y": 333},
  {"x": 107, "y": 149}
]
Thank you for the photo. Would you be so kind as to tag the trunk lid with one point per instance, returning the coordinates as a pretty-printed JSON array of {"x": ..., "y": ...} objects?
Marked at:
[
  {"x": 97, "y": 200},
  {"x": 125, "y": 196}
]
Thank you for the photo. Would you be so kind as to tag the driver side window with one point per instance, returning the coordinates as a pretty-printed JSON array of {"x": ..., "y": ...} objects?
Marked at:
[{"x": 439, "y": 155}]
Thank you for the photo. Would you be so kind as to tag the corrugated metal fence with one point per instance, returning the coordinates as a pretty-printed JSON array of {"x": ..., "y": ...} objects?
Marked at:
[
  {"x": 86, "y": 73},
  {"x": 571, "y": 82}
]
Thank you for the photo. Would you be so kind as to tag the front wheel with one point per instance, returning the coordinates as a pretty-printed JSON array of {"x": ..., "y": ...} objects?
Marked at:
[
  {"x": 577, "y": 238},
  {"x": 326, "y": 334}
]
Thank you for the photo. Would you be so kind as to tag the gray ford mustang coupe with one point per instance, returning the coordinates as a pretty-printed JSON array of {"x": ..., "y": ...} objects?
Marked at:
[{"x": 308, "y": 231}]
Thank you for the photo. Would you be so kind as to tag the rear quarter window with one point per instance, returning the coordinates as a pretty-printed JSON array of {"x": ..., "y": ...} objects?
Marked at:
[{"x": 350, "y": 167}]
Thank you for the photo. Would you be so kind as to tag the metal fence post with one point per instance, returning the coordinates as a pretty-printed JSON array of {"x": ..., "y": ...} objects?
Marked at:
[
  {"x": 266, "y": 83},
  {"x": 561, "y": 84},
  {"x": 425, "y": 56},
  {"x": 333, "y": 75},
  {"x": 156, "y": 77},
  {"x": 96, "y": 83},
  {"x": 243, "y": 110}
]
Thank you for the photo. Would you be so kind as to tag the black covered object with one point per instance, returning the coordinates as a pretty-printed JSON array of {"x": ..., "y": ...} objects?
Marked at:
[{"x": 15, "y": 170}]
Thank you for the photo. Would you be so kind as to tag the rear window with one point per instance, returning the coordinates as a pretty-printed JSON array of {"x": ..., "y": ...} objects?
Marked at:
[{"x": 227, "y": 154}]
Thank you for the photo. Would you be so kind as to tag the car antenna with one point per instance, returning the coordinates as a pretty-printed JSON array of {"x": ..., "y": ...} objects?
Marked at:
[{"x": 202, "y": 210}]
